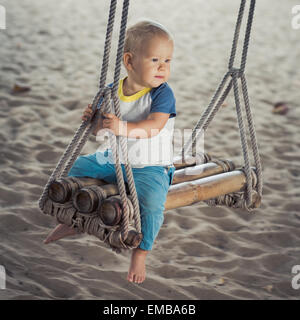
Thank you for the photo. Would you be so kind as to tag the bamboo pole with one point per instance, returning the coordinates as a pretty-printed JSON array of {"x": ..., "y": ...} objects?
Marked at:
[
  {"x": 189, "y": 161},
  {"x": 187, "y": 193},
  {"x": 200, "y": 171},
  {"x": 63, "y": 189},
  {"x": 90, "y": 198},
  {"x": 179, "y": 195}
]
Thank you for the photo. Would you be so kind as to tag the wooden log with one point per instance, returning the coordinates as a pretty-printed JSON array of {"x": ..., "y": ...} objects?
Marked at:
[
  {"x": 200, "y": 171},
  {"x": 133, "y": 238},
  {"x": 110, "y": 211},
  {"x": 189, "y": 161},
  {"x": 89, "y": 199},
  {"x": 187, "y": 193},
  {"x": 63, "y": 189}
]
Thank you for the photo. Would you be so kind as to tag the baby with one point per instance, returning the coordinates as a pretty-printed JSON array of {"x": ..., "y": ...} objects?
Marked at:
[{"x": 147, "y": 105}]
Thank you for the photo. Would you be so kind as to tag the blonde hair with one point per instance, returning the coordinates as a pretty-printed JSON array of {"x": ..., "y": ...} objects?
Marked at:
[{"x": 141, "y": 31}]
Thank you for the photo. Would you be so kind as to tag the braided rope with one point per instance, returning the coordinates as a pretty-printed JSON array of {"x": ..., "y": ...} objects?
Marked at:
[
  {"x": 107, "y": 43},
  {"x": 120, "y": 139},
  {"x": 78, "y": 148},
  {"x": 218, "y": 106},
  {"x": 90, "y": 223},
  {"x": 80, "y": 131},
  {"x": 236, "y": 34},
  {"x": 210, "y": 112},
  {"x": 186, "y": 148},
  {"x": 226, "y": 165},
  {"x": 243, "y": 140},
  {"x": 247, "y": 36},
  {"x": 61, "y": 162},
  {"x": 252, "y": 132},
  {"x": 237, "y": 199},
  {"x": 83, "y": 132}
]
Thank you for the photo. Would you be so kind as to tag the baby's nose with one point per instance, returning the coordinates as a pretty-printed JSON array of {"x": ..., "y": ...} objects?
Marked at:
[{"x": 162, "y": 65}]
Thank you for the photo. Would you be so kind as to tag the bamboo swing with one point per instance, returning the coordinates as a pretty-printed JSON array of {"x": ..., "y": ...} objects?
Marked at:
[{"x": 111, "y": 212}]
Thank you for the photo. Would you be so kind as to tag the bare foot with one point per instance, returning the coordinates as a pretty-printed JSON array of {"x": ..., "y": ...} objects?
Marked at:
[
  {"x": 59, "y": 232},
  {"x": 137, "y": 269}
]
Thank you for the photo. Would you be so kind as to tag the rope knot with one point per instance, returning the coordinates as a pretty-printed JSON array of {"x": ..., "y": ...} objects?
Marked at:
[{"x": 236, "y": 71}]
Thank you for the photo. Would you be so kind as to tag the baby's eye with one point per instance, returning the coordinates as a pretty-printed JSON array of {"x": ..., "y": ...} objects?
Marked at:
[
  {"x": 168, "y": 61},
  {"x": 154, "y": 60}
]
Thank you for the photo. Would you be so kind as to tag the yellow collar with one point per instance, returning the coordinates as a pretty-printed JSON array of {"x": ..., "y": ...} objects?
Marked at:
[{"x": 134, "y": 97}]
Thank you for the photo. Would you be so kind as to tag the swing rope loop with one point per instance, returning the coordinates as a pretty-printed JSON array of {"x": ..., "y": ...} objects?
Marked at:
[
  {"x": 106, "y": 95},
  {"x": 214, "y": 105}
]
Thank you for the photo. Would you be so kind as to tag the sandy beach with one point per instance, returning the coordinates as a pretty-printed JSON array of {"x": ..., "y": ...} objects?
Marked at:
[{"x": 55, "y": 48}]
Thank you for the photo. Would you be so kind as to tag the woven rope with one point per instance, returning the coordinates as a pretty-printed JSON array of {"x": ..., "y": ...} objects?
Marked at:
[
  {"x": 121, "y": 139},
  {"x": 215, "y": 104},
  {"x": 91, "y": 223},
  {"x": 83, "y": 132},
  {"x": 237, "y": 199}
]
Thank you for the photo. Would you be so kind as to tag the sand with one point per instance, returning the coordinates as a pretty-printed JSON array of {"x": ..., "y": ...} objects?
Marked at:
[{"x": 55, "y": 47}]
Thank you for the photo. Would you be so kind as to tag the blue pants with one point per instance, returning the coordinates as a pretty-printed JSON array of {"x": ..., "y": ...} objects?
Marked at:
[{"x": 151, "y": 182}]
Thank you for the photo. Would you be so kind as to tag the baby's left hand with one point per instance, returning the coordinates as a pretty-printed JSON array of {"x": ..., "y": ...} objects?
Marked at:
[{"x": 113, "y": 123}]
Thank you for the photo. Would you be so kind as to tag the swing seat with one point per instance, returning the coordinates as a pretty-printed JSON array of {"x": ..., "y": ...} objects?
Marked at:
[{"x": 94, "y": 206}]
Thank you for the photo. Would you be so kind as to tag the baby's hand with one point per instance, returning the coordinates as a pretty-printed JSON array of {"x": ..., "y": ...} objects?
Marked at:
[
  {"x": 87, "y": 113},
  {"x": 113, "y": 123}
]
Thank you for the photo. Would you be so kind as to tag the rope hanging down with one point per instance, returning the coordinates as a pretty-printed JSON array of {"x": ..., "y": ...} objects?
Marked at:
[
  {"x": 215, "y": 105},
  {"x": 86, "y": 127}
]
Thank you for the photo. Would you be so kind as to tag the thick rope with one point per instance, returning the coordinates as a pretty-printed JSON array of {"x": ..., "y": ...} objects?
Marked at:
[
  {"x": 243, "y": 140},
  {"x": 119, "y": 172},
  {"x": 252, "y": 132},
  {"x": 247, "y": 37},
  {"x": 107, "y": 44},
  {"x": 237, "y": 199},
  {"x": 217, "y": 107},
  {"x": 186, "y": 148},
  {"x": 91, "y": 223},
  {"x": 236, "y": 34},
  {"x": 56, "y": 172},
  {"x": 82, "y": 134},
  {"x": 210, "y": 112},
  {"x": 115, "y": 140},
  {"x": 120, "y": 139},
  {"x": 80, "y": 131}
]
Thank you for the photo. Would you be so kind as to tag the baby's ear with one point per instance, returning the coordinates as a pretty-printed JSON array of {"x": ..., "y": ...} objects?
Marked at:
[{"x": 127, "y": 60}]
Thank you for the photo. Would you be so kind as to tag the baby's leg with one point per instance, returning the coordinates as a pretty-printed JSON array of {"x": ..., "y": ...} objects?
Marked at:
[
  {"x": 97, "y": 165},
  {"x": 152, "y": 185}
]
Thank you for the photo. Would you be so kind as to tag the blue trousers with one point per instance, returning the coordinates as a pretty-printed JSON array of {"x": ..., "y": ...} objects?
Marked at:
[{"x": 151, "y": 182}]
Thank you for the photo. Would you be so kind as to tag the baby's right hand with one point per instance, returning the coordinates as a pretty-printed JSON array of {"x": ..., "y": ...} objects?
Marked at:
[{"x": 87, "y": 113}]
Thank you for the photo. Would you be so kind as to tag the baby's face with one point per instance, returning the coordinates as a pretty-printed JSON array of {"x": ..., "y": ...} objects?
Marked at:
[{"x": 151, "y": 66}]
